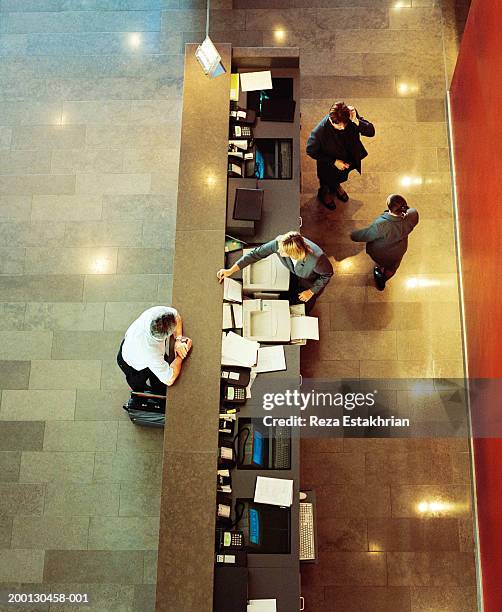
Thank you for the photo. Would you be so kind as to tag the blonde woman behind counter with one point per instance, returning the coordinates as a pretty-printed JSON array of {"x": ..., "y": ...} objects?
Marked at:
[{"x": 309, "y": 266}]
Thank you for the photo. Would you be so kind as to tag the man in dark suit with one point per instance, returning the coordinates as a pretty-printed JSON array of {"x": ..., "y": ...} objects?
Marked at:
[
  {"x": 310, "y": 268},
  {"x": 335, "y": 144},
  {"x": 387, "y": 238}
]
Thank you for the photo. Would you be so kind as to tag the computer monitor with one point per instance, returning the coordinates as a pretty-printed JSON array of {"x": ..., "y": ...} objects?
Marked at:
[
  {"x": 253, "y": 446},
  {"x": 258, "y": 449},
  {"x": 254, "y": 526},
  {"x": 267, "y": 529},
  {"x": 282, "y": 89}
]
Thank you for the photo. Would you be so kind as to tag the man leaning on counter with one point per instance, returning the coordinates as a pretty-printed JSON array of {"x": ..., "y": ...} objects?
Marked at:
[{"x": 309, "y": 266}]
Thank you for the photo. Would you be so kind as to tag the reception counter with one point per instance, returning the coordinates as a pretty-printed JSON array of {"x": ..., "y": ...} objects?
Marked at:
[{"x": 185, "y": 577}]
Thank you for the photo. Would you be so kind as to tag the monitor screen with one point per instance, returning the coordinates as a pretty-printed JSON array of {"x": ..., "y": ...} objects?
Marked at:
[
  {"x": 258, "y": 448},
  {"x": 254, "y": 526},
  {"x": 282, "y": 89}
]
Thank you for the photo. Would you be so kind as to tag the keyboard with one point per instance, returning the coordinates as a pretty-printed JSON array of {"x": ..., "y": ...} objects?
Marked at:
[
  {"x": 281, "y": 458},
  {"x": 307, "y": 544}
]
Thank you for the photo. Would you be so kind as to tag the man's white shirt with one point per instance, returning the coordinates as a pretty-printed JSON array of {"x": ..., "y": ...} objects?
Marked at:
[{"x": 142, "y": 350}]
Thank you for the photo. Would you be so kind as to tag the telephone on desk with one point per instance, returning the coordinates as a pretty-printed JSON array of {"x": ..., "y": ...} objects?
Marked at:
[{"x": 235, "y": 395}]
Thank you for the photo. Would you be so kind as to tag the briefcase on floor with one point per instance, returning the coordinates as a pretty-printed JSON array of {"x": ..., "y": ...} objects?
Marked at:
[{"x": 146, "y": 409}]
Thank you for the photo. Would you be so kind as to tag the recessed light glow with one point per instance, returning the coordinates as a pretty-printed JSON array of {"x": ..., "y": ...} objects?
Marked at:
[
  {"x": 134, "y": 40},
  {"x": 280, "y": 35},
  {"x": 346, "y": 265},
  {"x": 99, "y": 265},
  {"x": 407, "y": 181},
  {"x": 210, "y": 180},
  {"x": 404, "y": 88},
  {"x": 433, "y": 507},
  {"x": 421, "y": 283}
]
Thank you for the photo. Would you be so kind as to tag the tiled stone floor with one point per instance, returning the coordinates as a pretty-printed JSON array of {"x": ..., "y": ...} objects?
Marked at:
[
  {"x": 89, "y": 123},
  {"x": 89, "y": 114}
]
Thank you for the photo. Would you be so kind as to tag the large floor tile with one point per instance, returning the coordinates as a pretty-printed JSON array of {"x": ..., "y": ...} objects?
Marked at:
[
  {"x": 21, "y": 565},
  {"x": 93, "y": 566},
  {"x": 81, "y": 499},
  {"x": 10, "y": 462},
  {"x": 60, "y": 467},
  {"x": 37, "y": 405},
  {"x": 80, "y": 436},
  {"x": 44, "y": 532},
  {"x": 21, "y": 499},
  {"x": 65, "y": 374},
  {"x": 21, "y": 436},
  {"x": 124, "y": 533}
]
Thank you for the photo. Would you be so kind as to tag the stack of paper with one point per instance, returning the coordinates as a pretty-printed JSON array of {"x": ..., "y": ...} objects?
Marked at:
[
  {"x": 271, "y": 359},
  {"x": 232, "y": 290},
  {"x": 227, "y": 317},
  {"x": 262, "y": 605},
  {"x": 304, "y": 328},
  {"x": 232, "y": 316},
  {"x": 275, "y": 491},
  {"x": 236, "y": 350},
  {"x": 237, "y": 313},
  {"x": 253, "y": 81}
]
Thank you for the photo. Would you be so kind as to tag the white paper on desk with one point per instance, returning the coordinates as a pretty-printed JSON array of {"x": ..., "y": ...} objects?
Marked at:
[
  {"x": 227, "y": 317},
  {"x": 304, "y": 328},
  {"x": 241, "y": 114},
  {"x": 232, "y": 290},
  {"x": 252, "y": 378},
  {"x": 237, "y": 311},
  {"x": 271, "y": 359},
  {"x": 236, "y": 350},
  {"x": 240, "y": 144},
  {"x": 262, "y": 605},
  {"x": 251, "y": 81},
  {"x": 275, "y": 491}
]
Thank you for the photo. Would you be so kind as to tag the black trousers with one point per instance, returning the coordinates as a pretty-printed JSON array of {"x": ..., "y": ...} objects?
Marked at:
[
  {"x": 137, "y": 379},
  {"x": 296, "y": 286},
  {"x": 329, "y": 175}
]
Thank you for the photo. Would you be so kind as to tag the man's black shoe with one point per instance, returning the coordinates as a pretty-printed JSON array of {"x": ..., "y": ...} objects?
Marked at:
[
  {"x": 326, "y": 198},
  {"x": 379, "y": 278},
  {"x": 341, "y": 194}
]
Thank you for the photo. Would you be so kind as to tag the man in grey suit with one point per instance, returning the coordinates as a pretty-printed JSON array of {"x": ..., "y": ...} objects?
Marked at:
[
  {"x": 310, "y": 269},
  {"x": 387, "y": 238}
]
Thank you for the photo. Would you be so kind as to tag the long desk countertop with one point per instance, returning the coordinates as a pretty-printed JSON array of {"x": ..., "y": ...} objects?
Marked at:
[{"x": 188, "y": 503}]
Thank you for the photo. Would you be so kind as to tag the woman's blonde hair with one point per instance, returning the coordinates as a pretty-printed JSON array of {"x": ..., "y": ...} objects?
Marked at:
[{"x": 294, "y": 245}]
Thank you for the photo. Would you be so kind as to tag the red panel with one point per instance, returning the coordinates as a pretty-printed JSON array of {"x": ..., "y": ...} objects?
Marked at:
[{"x": 476, "y": 102}]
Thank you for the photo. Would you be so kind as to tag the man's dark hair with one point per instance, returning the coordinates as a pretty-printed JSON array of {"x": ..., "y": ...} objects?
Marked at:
[
  {"x": 339, "y": 113},
  {"x": 164, "y": 325},
  {"x": 397, "y": 204}
]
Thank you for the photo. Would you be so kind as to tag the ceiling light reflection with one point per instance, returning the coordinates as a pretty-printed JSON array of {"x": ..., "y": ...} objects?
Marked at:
[
  {"x": 421, "y": 283},
  {"x": 434, "y": 507},
  {"x": 407, "y": 181},
  {"x": 346, "y": 265},
  {"x": 134, "y": 40},
  {"x": 404, "y": 88},
  {"x": 99, "y": 265}
]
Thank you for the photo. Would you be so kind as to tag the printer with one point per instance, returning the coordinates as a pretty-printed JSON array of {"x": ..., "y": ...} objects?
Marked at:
[
  {"x": 267, "y": 274},
  {"x": 266, "y": 320}
]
